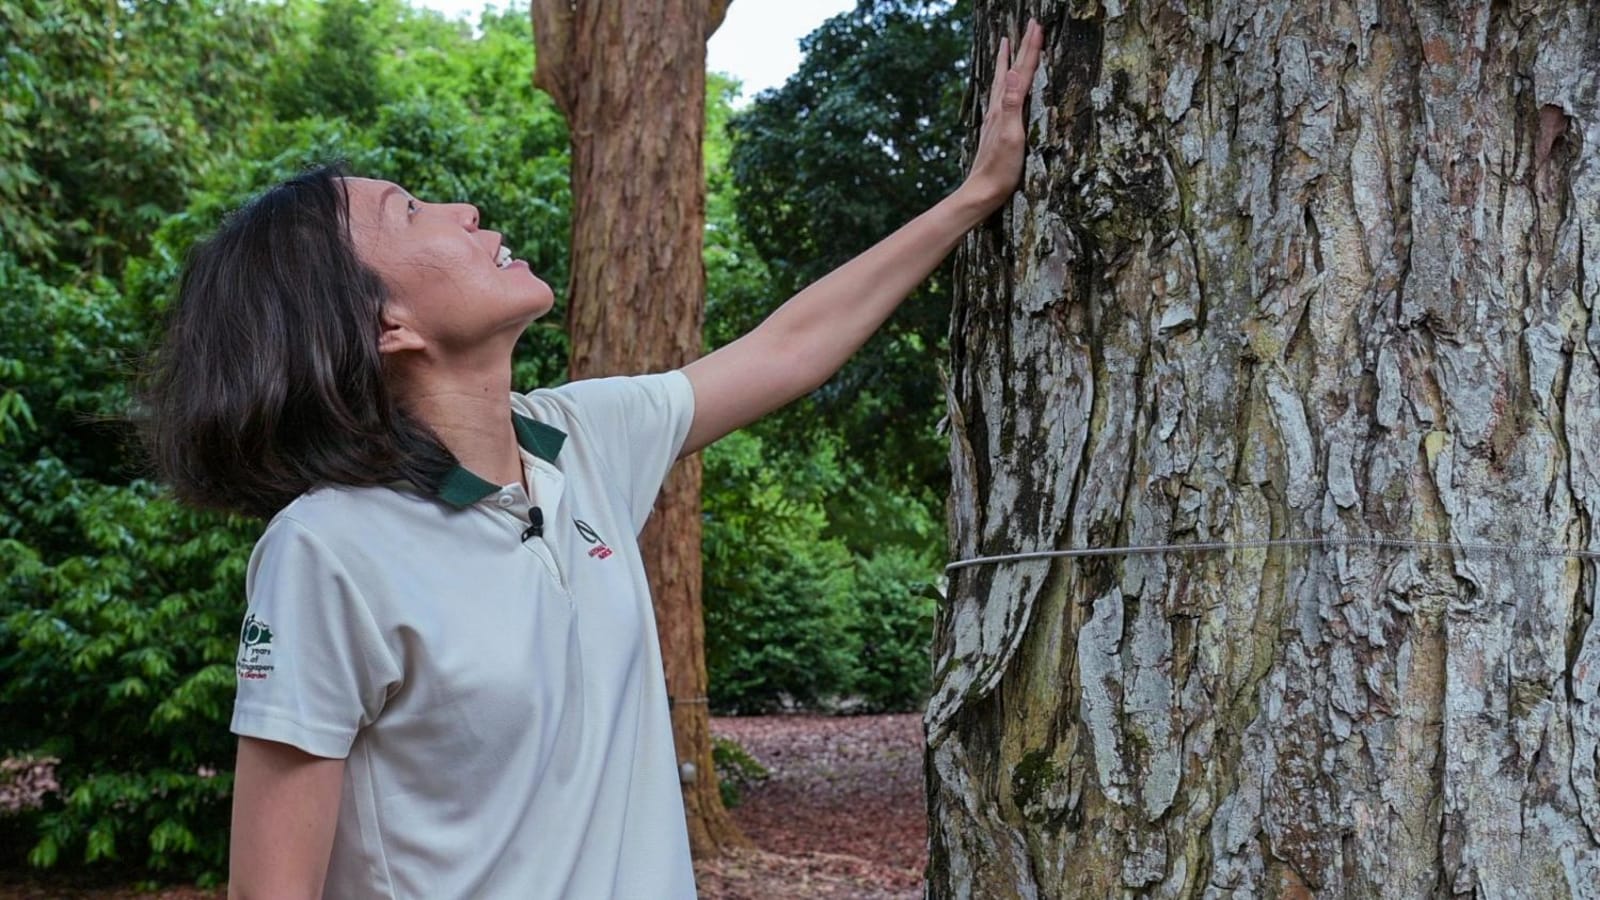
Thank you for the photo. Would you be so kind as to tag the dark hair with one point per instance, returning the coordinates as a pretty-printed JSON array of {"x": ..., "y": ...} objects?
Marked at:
[{"x": 269, "y": 381}]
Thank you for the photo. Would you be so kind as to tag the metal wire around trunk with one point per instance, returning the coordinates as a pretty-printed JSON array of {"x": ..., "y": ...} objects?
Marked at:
[{"x": 1513, "y": 551}]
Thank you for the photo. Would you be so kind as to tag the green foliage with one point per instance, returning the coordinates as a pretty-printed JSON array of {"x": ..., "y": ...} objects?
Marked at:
[
  {"x": 792, "y": 616},
  {"x": 339, "y": 78},
  {"x": 109, "y": 113},
  {"x": 816, "y": 564},
  {"x": 864, "y": 137},
  {"x": 833, "y": 606},
  {"x": 738, "y": 285},
  {"x": 15, "y": 414},
  {"x": 64, "y": 351},
  {"x": 737, "y": 770},
  {"x": 777, "y": 591},
  {"x": 117, "y": 608},
  {"x": 896, "y": 601},
  {"x": 117, "y": 660}
]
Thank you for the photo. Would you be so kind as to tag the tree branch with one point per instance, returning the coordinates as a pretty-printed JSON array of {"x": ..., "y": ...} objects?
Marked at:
[
  {"x": 552, "y": 41},
  {"x": 716, "y": 11}
]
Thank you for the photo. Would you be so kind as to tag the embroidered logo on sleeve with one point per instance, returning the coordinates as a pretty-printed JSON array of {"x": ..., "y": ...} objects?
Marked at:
[
  {"x": 599, "y": 550},
  {"x": 255, "y": 649}
]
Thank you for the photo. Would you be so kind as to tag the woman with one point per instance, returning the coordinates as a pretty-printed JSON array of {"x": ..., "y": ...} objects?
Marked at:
[{"x": 449, "y": 683}]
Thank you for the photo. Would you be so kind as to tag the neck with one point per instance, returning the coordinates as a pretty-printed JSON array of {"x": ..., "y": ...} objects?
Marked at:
[{"x": 470, "y": 411}]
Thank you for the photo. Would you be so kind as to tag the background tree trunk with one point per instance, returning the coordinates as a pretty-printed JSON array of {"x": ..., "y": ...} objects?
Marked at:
[
  {"x": 1280, "y": 269},
  {"x": 630, "y": 78}
]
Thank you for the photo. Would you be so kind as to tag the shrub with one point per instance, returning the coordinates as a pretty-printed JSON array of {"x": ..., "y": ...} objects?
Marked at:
[
  {"x": 118, "y": 662},
  {"x": 895, "y": 602},
  {"x": 777, "y": 592},
  {"x": 737, "y": 769},
  {"x": 793, "y": 617}
]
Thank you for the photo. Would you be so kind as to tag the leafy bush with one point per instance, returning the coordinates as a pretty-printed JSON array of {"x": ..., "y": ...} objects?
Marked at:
[
  {"x": 110, "y": 114},
  {"x": 895, "y": 602},
  {"x": 793, "y": 618},
  {"x": 118, "y": 661},
  {"x": 737, "y": 769},
  {"x": 799, "y": 536},
  {"x": 777, "y": 592},
  {"x": 861, "y": 138}
]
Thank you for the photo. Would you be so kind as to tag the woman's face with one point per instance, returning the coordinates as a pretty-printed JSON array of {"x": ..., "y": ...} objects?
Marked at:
[{"x": 448, "y": 291}]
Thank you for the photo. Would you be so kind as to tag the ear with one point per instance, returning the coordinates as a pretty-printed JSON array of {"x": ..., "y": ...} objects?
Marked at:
[{"x": 395, "y": 336}]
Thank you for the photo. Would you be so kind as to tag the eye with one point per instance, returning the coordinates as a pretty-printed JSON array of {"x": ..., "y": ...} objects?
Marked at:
[{"x": 411, "y": 207}]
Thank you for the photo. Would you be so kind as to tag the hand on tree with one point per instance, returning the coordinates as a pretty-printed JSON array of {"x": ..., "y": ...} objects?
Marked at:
[{"x": 997, "y": 167}]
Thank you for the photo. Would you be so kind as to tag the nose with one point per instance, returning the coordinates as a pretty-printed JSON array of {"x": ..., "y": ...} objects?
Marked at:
[{"x": 469, "y": 216}]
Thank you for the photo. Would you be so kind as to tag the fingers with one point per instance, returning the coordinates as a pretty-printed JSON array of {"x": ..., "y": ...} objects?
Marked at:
[
  {"x": 1002, "y": 64},
  {"x": 1011, "y": 82},
  {"x": 1032, "y": 45}
]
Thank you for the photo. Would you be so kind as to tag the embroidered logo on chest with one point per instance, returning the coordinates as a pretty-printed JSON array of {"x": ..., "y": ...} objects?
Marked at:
[{"x": 597, "y": 548}]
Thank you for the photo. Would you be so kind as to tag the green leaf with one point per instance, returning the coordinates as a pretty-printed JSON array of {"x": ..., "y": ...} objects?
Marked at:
[{"x": 45, "y": 853}]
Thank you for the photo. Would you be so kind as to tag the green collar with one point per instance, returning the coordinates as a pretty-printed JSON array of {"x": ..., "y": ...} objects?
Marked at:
[{"x": 460, "y": 488}]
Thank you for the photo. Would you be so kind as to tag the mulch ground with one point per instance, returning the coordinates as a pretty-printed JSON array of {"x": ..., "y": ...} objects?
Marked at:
[{"x": 840, "y": 815}]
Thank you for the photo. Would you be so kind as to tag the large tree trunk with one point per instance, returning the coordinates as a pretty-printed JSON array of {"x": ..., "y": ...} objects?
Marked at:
[
  {"x": 1280, "y": 269},
  {"x": 630, "y": 78}
]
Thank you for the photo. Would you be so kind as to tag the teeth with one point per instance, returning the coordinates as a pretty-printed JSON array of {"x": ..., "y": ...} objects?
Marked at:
[{"x": 503, "y": 257}]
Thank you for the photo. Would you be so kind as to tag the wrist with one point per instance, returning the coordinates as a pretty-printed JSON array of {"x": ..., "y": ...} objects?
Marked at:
[{"x": 974, "y": 204}]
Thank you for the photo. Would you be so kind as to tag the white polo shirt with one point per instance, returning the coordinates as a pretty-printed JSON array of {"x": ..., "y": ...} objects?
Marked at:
[{"x": 499, "y": 701}]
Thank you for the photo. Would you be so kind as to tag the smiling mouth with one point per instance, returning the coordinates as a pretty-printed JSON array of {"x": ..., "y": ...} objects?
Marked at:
[{"x": 502, "y": 257}]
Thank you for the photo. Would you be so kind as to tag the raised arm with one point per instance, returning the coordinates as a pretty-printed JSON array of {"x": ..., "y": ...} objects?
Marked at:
[{"x": 808, "y": 338}]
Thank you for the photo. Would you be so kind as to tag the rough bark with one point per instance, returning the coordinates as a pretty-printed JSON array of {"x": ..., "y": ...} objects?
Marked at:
[
  {"x": 630, "y": 78},
  {"x": 1280, "y": 269}
]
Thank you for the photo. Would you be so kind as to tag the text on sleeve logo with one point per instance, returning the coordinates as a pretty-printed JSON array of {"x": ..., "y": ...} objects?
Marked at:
[
  {"x": 255, "y": 649},
  {"x": 599, "y": 550}
]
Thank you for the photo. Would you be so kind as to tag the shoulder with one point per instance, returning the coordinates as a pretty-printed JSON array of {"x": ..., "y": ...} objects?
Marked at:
[
  {"x": 604, "y": 403},
  {"x": 331, "y": 509},
  {"x": 350, "y": 523},
  {"x": 587, "y": 390}
]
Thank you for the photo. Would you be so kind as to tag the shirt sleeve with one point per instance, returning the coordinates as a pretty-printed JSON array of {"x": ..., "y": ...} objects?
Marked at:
[
  {"x": 638, "y": 424},
  {"x": 312, "y": 667}
]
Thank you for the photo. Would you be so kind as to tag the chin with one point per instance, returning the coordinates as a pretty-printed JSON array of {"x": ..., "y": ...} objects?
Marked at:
[
  {"x": 527, "y": 314},
  {"x": 542, "y": 304},
  {"x": 539, "y": 297}
]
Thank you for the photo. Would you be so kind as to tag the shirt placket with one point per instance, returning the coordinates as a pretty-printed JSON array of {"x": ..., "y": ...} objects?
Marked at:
[{"x": 514, "y": 502}]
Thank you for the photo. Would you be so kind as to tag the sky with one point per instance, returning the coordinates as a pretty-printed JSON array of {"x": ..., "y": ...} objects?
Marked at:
[{"x": 758, "y": 43}]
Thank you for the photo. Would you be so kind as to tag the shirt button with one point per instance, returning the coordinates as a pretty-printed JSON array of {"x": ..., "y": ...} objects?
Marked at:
[{"x": 505, "y": 500}]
